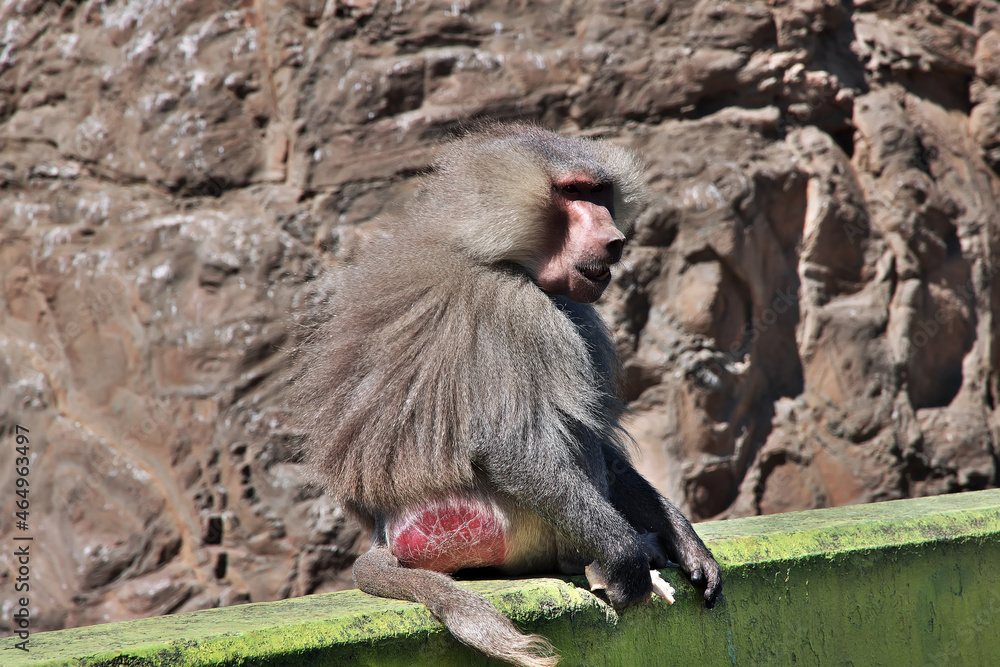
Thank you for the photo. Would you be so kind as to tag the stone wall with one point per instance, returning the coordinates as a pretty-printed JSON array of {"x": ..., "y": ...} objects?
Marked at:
[{"x": 806, "y": 310}]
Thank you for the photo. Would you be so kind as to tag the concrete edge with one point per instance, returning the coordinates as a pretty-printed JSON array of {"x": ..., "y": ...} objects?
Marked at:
[{"x": 796, "y": 574}]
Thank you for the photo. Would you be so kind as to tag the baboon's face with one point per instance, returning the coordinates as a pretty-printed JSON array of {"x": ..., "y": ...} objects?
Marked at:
[{"x": 583, "y": 241}]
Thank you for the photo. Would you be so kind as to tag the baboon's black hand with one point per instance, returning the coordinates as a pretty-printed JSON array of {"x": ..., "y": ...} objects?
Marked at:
[
  {"x": 628, "y": 581},
  {"x": 703, "y": 571}
]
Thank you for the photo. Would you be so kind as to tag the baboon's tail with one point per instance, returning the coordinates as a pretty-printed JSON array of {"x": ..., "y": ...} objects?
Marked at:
[{"x": 473, "y": 620}]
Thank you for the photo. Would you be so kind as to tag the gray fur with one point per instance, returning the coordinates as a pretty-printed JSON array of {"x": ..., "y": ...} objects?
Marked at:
[
  {"x": 470, "y": 618},
  {"x": 395, "y": 371},
  {"x": 442, "y": 368}
]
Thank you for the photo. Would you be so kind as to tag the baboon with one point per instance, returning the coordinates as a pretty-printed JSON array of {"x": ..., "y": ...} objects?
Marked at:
[{"x": 463, "y": 395}]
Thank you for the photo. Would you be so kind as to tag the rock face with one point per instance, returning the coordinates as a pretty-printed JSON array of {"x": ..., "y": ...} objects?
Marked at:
[{"x": 807, "y": 310}]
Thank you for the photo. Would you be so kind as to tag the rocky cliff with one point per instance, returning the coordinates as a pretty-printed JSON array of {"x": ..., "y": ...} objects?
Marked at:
[{"x": 806, "y": 310}]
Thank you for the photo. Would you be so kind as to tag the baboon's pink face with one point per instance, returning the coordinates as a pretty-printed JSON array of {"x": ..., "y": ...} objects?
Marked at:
[{"x": 583, "y": 242}]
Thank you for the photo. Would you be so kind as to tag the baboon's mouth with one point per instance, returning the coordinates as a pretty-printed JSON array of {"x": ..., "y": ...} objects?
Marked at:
[{"x": 597, "y": 273}]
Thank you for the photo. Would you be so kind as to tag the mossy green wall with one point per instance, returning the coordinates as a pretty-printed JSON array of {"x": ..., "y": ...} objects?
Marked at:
[{"x": 912, "y": 582}]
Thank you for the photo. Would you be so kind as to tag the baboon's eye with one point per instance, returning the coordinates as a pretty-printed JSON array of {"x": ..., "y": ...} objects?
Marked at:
[
  {"x": 599, "y": 187},
  {"x": 570, "y": 188}
]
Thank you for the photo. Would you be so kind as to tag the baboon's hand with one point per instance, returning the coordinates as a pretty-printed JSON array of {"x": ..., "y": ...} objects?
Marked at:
[
  {"x": 627, "y": 582},
  {"x": 661, "y": 587},
  {"x": 701, "y": 569}
]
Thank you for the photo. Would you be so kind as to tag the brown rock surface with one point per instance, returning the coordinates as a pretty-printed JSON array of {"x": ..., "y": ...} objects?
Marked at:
[{"x": 806, "y": 311}]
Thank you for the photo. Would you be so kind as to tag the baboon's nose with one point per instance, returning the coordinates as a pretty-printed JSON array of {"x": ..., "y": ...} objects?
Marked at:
[{"x": 614, "y": 250}]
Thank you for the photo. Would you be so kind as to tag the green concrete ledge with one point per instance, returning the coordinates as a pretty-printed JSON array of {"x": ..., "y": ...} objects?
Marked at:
[{"x": 910, "y": 582}]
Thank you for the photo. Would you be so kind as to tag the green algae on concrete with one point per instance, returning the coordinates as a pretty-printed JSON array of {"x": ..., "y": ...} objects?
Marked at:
[
  {"x": 896, "y": 583},
  {"x": 857, "y": 527}
]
